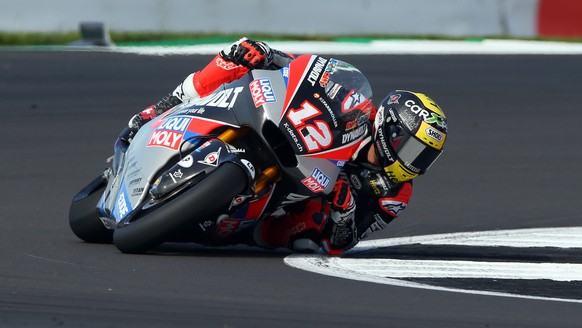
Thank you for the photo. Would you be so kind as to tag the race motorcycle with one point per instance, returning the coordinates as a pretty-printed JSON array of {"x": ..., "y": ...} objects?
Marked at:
[{"x": 210, "y": 168}]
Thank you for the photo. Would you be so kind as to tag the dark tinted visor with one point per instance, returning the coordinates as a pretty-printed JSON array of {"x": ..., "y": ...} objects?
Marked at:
[{"x": 414, "y": 154}]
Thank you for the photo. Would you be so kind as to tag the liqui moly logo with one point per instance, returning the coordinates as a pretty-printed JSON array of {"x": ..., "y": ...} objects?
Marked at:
[
  {"x": 317, "y": 181},
  {"x": 170, "y": 133},
  {"x": 262, "y": 91}
]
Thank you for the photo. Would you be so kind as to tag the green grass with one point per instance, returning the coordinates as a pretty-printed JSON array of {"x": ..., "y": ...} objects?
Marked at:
[
  {"x": 126, "y": 38},
  {"x": 144, "y": 38}
]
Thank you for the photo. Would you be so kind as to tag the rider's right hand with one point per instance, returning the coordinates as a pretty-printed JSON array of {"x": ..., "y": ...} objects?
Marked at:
[
  {"x": 340, "y": 233},
  {"x": 248, "y": 53}
]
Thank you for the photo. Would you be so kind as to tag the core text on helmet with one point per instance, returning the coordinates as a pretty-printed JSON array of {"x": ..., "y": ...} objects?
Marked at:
[{"x": 427, "y": 116}]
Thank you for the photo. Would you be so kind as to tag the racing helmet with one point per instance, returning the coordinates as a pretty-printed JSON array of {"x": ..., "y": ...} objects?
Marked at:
[{"x": 409, "y": 134}]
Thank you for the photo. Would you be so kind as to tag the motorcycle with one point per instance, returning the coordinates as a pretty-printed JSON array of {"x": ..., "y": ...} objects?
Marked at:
[{"x": 210, "y": 168}]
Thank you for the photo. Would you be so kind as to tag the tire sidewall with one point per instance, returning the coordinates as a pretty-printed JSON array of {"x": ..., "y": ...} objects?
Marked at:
[{"x": 203, "y": 201}]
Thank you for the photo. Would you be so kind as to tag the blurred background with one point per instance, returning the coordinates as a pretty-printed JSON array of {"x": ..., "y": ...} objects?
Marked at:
[
  {"x": 29, "y": 21},
  {"x": 512, "y": 160}
]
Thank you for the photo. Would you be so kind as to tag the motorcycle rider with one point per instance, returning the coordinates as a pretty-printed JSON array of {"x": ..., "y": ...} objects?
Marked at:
[{"x": 408, "y": 133}]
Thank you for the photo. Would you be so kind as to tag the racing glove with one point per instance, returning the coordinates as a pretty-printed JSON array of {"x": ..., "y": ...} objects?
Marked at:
[
  {"x": 248, "y": 53},
  {"x": 339, "y": 233},
  {"x": 146, "y": 115}
]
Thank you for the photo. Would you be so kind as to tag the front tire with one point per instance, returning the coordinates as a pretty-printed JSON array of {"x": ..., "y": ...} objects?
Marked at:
[
  {"x": 204, "y": 200},
  {"x": 83, "y": 217}
]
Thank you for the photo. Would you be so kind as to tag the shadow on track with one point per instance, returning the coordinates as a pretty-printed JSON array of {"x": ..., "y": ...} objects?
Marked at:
[
  {"x": 197, "y": 250},
  {"x": 473, "y": 253}
]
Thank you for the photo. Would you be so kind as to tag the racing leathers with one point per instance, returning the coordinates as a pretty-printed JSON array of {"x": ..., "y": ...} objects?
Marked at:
[
  {"x": 362, "y": 200},
  {"x": 372, "y": 203},
  {"x": 378, "y": 201},
  {"x": 228, "y": 65}
]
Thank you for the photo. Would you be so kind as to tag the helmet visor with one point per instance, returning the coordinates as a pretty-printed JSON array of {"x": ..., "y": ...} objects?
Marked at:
[{"x": 414, "y": 154}]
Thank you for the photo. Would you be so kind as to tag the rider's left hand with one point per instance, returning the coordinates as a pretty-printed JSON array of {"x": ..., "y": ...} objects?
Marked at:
[{"x": 248, "y": 53}]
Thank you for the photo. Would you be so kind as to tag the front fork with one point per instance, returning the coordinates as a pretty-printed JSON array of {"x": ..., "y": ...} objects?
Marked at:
[{"x": 268, "y": 175}]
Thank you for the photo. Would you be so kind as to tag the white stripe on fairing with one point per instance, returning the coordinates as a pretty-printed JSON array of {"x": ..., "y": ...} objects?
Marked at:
[
  {"x": 387, "y": 271},
  {"x": 393, "y": 47}
]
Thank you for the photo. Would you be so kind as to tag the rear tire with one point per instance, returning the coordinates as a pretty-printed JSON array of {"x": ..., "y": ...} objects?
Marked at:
[
  {"x": 83, "y": 216},
  {"x": 203, "y": 201}
]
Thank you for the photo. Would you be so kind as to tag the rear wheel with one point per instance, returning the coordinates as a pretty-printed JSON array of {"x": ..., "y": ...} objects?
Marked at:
[
  {"x": 83, "y": 217},
  {"x": 203, "y": 201}
]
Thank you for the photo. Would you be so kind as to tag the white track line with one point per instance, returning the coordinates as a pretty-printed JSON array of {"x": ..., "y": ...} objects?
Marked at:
[
  {"x": 388, "y": 271},
  {"x": 566, "y": 237},
  {"x": 385, "y": 47},
  {"x": 459, "y": 269}
]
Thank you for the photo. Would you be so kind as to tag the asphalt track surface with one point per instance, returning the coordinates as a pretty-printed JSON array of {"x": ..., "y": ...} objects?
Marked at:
[{"x": 512, "y": 161}]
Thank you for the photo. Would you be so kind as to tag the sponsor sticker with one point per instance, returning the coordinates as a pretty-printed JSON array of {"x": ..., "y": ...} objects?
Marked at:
[
  {"x": 134, "y": 182},
  {"x": 393, "y": 99},
  {"x": 122, "y": 207},
  {"x": 170, "y": 133},
  {"x": 249, "y": 167},
  {"x": 334, "y": 90},
  {"x": 176, "y": 175},
  {"x": 262, "y": 91},
  {"x": 317, "y": 181},
  {"x": 212, "y": 158},
  {"x": 316, "y": 70},
  {"x": 354, "y": 134},
  {"x": 222, "y": 99},
  {"x": 434, "y": 133},
  {"x": 186, "y": 162},
  {"x": 431, "y": 135},
  {"x": 329, "y": 69},
  {"x": 428, "y": 117},
  {"x": 238, "y": 200}
]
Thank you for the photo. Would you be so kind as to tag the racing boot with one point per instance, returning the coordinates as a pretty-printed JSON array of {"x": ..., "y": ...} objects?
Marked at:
[
  {"x": 299, "y": 231},
  {"x": 146, "y": 115}
]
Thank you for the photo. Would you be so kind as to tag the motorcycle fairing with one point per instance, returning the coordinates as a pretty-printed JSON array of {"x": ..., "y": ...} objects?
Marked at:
[
  {"x": 242, "y": 214},
  {"x": 324, "y": 108},
  {"x": 157, "y": 143},
  {"x": 324, "y": 121},
  {"x": 308, "y": 101},
  {"x": 199, "y": 163},
  {"x": 202, "y": 126},
  {"x": 252, "y": 209}
]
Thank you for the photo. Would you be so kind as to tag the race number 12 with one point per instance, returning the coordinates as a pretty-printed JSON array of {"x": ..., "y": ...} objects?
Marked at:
[{"x": 315, "y": 136}]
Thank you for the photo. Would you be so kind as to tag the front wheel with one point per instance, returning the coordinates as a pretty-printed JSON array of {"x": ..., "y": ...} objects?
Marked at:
[{"x": 202, "y": 201}]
